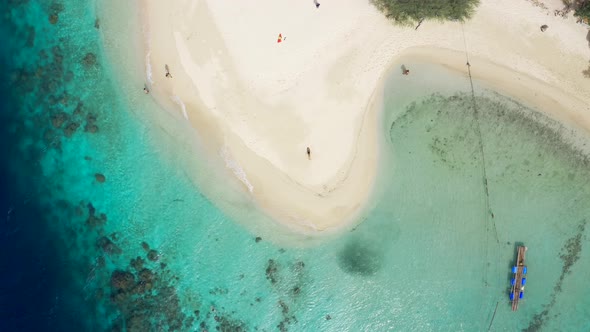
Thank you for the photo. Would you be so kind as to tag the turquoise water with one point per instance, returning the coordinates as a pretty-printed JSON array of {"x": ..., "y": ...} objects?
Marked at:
[
  {"x": 149, "y": 249},
  {"x": 538, "y": 190}
]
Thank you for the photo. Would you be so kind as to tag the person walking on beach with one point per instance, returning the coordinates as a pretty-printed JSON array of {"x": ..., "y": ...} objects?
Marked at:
[
  {"x": 308, "y": 153},
  {"x": 167, "y": 71},
  {"x": 405, "y": 70}
]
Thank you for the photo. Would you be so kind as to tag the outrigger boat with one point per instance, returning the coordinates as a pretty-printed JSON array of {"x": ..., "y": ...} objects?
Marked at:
[{"x": 519, "y": 279}]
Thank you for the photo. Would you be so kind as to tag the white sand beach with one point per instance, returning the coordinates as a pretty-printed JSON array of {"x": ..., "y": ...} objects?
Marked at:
[{"x": 259, "y": 103}]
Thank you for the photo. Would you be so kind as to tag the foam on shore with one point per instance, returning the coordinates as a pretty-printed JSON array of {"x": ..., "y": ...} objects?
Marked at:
[
  {"x": 237, "y": 170},
  {"x": 180, "y": 103}
]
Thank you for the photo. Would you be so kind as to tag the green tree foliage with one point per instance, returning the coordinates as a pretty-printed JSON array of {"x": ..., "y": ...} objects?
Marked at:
[
  {"x": 412, "y": 11},
  {"x": 583, "y": 9}
]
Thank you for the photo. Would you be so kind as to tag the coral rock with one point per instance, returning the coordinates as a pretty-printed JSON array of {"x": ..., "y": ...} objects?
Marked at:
[
  {"x": 71, "y": 128},
  {"x": 53, "y": 18},
  {"x": 153, "y": 255},
  {"x": 99, "y": 177},
  {"x": 57, "y": 120},
  {"x": 122, "y": 281},
  {"x": 89, "y": 59},
  {"x": 108, "y": 246},
  {"x": 91, "y": 128}
]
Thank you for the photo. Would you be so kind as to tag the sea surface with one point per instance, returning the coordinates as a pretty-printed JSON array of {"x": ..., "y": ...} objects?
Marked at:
[{"x": 113, "y": 217}]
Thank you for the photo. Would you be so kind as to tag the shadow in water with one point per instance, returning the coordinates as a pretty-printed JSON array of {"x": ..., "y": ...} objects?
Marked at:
[{"x": 360, "y": 258}]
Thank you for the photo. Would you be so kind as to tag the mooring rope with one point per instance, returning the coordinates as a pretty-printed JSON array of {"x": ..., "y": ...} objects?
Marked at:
[
  {"x": 489, "y": 211},
  {"x": 480, "y": 141},
  {"x": 494, "y": 316}
]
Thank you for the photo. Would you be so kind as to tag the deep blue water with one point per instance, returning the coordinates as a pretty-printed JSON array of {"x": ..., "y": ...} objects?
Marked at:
[
  {"x": 35, "y": 279},
  {"x": 33, "y": 285},
  {"x": 34, "y": 282}
]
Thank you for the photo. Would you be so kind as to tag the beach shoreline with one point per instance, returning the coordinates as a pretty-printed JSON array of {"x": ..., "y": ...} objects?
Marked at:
[
  {"x": 557, "y": 104},
  {"x": 257, "y": 104}
]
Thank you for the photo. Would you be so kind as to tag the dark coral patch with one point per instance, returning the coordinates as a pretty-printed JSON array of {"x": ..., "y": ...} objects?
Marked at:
[
  {"x": 358, "y": 258},
  {"x": 122, "y": 281},
  {"x": 99, "y": 177},
  {"x": 89, "y": 59},
  {"x": 137, "y": 263},
  {"x": 272, "y": 270},
  {"x": 153, "y": 255},
  {"x": 53, "y": 18},
  {"x": 107, "y": 246}
]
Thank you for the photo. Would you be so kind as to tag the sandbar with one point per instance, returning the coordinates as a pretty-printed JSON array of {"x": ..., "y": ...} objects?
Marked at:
[{"x": 259, "y": 103}]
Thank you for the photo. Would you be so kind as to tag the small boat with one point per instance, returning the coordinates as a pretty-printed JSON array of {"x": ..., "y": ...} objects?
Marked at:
[{"x": 519, "y": 279}]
